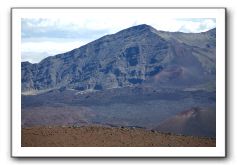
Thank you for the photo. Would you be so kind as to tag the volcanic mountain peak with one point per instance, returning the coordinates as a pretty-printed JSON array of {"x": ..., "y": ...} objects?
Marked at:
[
  {"x": 138, "y": 28},
  {"x": 133, "y": 56}
]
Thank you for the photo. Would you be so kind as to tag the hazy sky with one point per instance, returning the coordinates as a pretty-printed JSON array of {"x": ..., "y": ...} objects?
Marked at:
[{"x": 42, "y": 37}]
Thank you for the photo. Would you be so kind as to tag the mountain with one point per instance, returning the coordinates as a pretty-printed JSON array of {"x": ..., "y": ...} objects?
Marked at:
[
  {"x": 194, "y": 121},
  {"x": 139, "y": 55},
  {"x": 138, "y": 77}
]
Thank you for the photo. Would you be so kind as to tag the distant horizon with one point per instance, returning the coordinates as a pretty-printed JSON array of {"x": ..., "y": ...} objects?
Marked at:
[{"x": 42, "y": 38}]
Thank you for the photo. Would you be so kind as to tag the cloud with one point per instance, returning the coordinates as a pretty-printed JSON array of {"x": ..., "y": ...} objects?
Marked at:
[
  {"x": 197, "y": 25},
  {"x": 32, "y": 51},
  {"x": 45, "y": 28},
  {"x": 90, "y": 28},
  {"x": 34, "y": 57}
]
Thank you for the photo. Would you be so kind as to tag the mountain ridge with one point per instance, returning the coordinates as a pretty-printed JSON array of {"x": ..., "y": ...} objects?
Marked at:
[
  {"x": 213, "y": 30},
  {"x": 133, "y": 56}
]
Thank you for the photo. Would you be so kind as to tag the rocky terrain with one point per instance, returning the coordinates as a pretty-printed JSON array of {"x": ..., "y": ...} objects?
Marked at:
[
  {"x": 138, "y": 78},
  {"x": 129, "y": 106},
  {"x": 97, "y": 136}
]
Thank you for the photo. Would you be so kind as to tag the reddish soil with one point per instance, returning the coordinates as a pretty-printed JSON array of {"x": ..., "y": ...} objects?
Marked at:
[{"x": 98, "y": 136}]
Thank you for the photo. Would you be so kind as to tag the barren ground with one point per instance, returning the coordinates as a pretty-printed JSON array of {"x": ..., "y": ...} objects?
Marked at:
[{"x": 98, "y": 136}]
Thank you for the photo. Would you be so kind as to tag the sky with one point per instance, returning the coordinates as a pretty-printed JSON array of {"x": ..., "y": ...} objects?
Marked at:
[{"x": 47, "y": 36}]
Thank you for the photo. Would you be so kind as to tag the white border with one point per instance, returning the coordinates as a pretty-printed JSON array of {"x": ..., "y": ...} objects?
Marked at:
[{"x": 218, "y": 151}]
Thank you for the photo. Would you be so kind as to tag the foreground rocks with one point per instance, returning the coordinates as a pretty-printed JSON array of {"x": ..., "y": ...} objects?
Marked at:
[{"x": 98, "y": 136}]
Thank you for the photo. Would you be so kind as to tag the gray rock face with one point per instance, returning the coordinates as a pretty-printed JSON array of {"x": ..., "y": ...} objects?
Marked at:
[{"x": 137, "y": 55}]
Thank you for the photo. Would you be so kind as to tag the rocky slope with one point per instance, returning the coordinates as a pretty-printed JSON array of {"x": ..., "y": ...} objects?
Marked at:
[
  {"x": 137, "y": 55},
  {"x": 195, "y": 122},
  {"x": 98, "y": 136}
]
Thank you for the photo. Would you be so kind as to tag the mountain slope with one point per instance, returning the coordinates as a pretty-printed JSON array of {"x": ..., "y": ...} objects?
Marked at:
[
  {"x": 137, "y": 55},
  {"x": 195, "y": 122}
]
